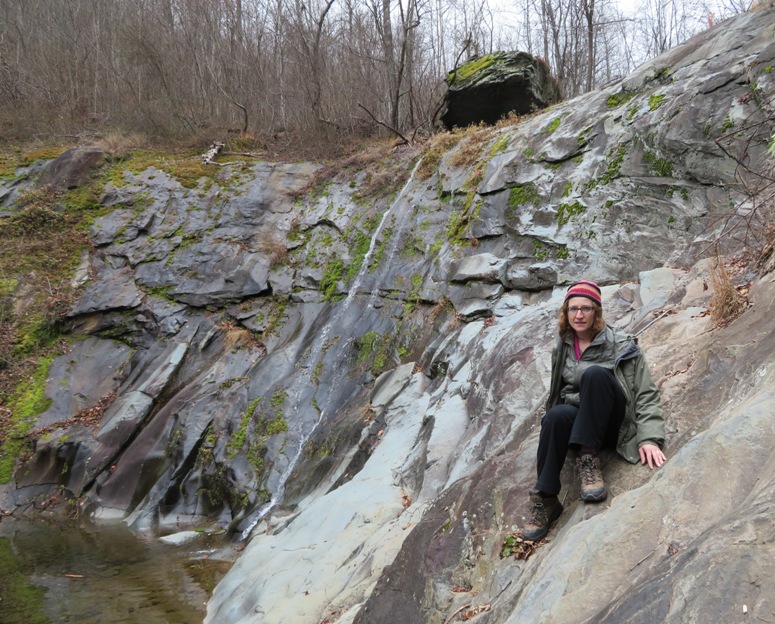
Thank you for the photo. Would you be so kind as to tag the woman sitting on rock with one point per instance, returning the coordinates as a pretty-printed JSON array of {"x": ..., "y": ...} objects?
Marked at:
[{"x": 601, "y": 396}]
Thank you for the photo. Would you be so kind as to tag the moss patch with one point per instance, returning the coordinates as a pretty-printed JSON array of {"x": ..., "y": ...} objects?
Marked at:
[
  {"x": 414, "y": 294},
  {"x": 460, "y": 221},
  {"x": 332, "y": 274},
  {"x": 237, "y": 441},
  {"x": 265, "y": 423},
  {"x": 43, "y": 153},
  {"x": 617, "y": 99},
  {"x": 613, "y": 168},
  {"x": 185, "y": 167},
  {"x": 655, "y": 101},
  {"x": 468, "y": 69},
  {"x": 552, "y": 126},
  {"x": 540, "y": 252},
  {"x": 499, "y": 145},
  {"x": 359, "y": 251},
  {"x": 520, "y": 196},
  {"x": 658, "y": 166},
  {"x": 566, "y": 211},
  {"x": 28, "y": 400},
  {"x": 373, "y": 350}
]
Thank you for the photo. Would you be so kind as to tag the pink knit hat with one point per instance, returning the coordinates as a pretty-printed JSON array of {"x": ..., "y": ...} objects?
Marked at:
[{"x": 584, "y": 288}]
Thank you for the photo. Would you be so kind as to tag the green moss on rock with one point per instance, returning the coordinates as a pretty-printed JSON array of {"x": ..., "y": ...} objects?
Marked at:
[
  {"x": 521, "y": 195},
  {"x": 468, "y": 69},
  {"x": 499, "y": 145},
  {"x": 655, "y": 101},
  {"x": 617, "y": 99},
  {"x": 332, "y": 274},
  {"x": 552, "y": 126},
  {"x": 658, "y": 166},
  {"x": 566, "y": 211},
  {"x": 27, "y": 401},
  {"x": 373, "y": 350}
]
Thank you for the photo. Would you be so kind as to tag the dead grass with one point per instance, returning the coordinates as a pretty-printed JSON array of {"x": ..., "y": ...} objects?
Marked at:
[
  {"x": 727, "y": 303},
  {"x": 472, "y": 142},
  {"x": 442, "y": 306},
  {"x": 274, "y": 248},
  {"x": 435, "y": 149},
  {"x": 367, "y": 157},
  {"x": 386, "y": 178},
  {"x": 512, "y": 119},
  {"x": 119, "y": 143},
  {"x": 371, "y": 153},
  {"x": 245, "y": 142}
]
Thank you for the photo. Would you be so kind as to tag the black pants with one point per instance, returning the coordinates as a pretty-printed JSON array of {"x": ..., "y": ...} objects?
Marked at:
[{"x": 594, "y": 423}]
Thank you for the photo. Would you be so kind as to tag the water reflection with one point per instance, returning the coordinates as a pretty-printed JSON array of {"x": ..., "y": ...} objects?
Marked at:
[{"x": 62, "y": 574}]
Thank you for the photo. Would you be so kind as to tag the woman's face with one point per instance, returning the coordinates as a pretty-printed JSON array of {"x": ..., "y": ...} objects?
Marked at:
[{"x": 581, "y": 314}]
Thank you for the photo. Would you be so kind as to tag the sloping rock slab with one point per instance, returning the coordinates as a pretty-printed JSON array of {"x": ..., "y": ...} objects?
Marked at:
[{"x": 115, "y": 290}]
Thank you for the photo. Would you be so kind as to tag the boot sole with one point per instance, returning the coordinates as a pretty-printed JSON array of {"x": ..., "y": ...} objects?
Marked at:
[{"x": 594, "y": 497}]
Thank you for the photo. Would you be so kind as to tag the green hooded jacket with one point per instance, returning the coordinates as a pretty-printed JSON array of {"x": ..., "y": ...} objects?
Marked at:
[{"x": 643, "y": 419}]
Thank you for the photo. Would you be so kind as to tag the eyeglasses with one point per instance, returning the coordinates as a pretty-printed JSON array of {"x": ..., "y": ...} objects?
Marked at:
[{"x": 583, "y": 309}]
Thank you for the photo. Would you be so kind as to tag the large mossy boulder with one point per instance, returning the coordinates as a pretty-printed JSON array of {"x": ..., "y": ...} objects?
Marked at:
[{"x": 486, "y": 88}]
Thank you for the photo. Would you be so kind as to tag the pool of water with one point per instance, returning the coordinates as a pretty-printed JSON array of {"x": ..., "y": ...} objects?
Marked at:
[{"x": 51, "y": 574}]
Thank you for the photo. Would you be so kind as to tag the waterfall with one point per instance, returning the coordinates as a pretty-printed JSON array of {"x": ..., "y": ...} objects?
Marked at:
[{"x": 316, "y": 353}]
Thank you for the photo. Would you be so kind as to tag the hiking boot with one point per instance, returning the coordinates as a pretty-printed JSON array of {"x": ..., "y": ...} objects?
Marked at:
[
  {"x": 545, "y": 511},
  {"x": 592, "y": 485}
]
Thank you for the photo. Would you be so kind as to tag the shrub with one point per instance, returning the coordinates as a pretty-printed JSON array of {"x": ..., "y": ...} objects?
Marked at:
[{"x": 727, "y": 303}]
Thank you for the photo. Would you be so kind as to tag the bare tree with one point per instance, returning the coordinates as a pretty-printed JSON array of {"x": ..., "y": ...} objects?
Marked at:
[
  {"x": 588, "y": 11},
  {"x": 300, "y": 67}
]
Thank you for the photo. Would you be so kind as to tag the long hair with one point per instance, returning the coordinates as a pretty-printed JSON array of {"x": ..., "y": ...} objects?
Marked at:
[{"x": 563, "y": 325}]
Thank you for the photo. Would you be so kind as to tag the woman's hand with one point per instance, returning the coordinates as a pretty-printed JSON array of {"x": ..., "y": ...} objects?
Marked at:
[{"x": 652, "y": 455}]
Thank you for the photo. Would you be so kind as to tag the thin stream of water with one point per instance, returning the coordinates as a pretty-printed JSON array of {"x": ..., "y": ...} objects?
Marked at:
[
  {"x": 315, "y": 355},
  {"x": 396, "y": 239}
]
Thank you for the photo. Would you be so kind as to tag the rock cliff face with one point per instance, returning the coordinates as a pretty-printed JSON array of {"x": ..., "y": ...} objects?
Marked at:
[{"x": 356, "y": 383}]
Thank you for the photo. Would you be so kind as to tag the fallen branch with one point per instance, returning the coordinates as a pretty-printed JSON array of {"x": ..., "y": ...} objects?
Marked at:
[
  {"x": 248, "y": 154},
  {"x": 384, "y": 125},
  {"x": 645, "y": 327},
  {"x": 452, "y": 617},
  {"x": 470, "y": 615},
  {"x": 642, "y": 560},
  {"x": 208, "y": 158}
]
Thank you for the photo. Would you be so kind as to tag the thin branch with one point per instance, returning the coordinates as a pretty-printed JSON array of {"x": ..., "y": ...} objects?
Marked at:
[
  {"x": 452, "y": 617},
  {"x": 384, "y": 125},
  {"x": 248, "y": 154}
]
